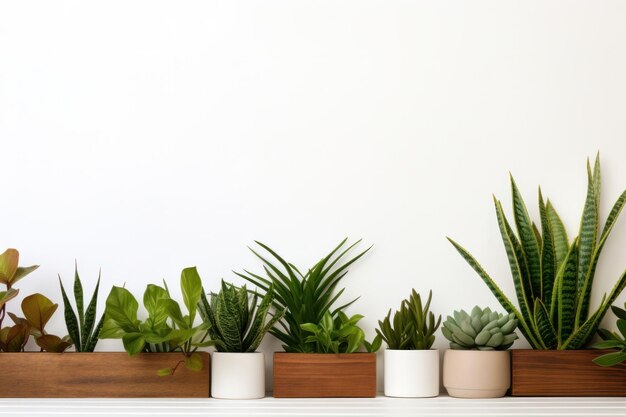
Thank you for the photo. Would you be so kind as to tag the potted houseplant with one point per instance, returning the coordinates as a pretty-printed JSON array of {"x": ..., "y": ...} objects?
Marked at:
[
  {"x": 308, "y": 300},
  {"x": 411, "y": 366},
  {"x": 162, "y": 358},
  {"x": 553, "y": 277},
  {"x": 237, "y": 324},
  {"x": 478, "y": 365}
]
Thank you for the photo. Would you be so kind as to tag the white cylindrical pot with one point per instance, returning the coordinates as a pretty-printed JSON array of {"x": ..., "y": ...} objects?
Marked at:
[
  {"x": 477, "y": 374},
  {"x": 411, "y": 373},
  {"x": 238, "y": 376}
]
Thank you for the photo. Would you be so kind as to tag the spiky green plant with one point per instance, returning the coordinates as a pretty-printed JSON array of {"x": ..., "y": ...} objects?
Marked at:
[
  {"x": 552, "y": 278},
  {"x": 237, "y": 322},
  {"x": 482, "y": 329},
  {"x": 306, "y": 297},
  {"x": 613, "y": 340},
  {"x": 81, "y": 329},
  {"x": 413, "y": 327}
]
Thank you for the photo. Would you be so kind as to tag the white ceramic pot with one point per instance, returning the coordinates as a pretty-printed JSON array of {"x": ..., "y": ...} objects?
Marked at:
[
  {"x": 238, "y": 376},
  {"x": 477, "y": 374},
  {"x": 411, "y": 373}
]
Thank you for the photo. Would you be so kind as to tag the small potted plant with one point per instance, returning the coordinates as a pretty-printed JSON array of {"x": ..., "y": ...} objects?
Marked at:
[
  {"x": 237, "y": 324},
  {"x": 411, "y": 366},
  {"x": 553, "y": 278},
  {"x": 478, "y": 365},
  {"x": 162, "y": 357},
  {"x": 310, "y": 326}
]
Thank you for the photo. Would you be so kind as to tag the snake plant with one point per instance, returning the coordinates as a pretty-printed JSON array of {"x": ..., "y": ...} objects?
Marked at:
[
  {"x": 237, "y": 321},
  {"x": 81, "y": 326},
  {"x": 304, "y": 297},
  {"x": 413, "y": 327},
  {"x": 553, "y": 277}
]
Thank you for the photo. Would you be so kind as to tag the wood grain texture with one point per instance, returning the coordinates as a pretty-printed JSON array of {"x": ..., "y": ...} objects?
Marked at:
[
  {"x": 568, "y": 373},
  {"x": 99, "y": 374},
  {"x": 323, "y": 375}
]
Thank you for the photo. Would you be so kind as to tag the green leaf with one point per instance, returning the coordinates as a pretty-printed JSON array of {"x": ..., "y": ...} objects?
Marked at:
[
  {"x": 111, "y": 330},
  {"x": 610, "y": 359},
  {"x": 90, "y": 318},
  {"x": 78, "y": 297},
  {"x": 194, "y": 362},
  {"x": 165, "y": 372},
  {"x": 172, "y": 309},
  {"x": 587, "y": 241},
  {"x": 191, "y": 286},
  {"x": 71, "y": 322},
  {"x": 517, "y": 262},
  {"x": 545, "y": 329},
  {"x": 566, "y": 296},
  {"x": 559, "y": 234},
  {"x": 609, "y": 344},
  {"x": 133, "y": 343},
  {"x": 122, "y": 307},
  {"x": 529, "y": 243},
  {"x": 549, "y": 264}
]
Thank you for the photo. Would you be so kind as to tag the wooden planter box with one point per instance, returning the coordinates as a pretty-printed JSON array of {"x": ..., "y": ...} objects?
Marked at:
[
  {"x": 99, "y": 374},
  {"x": 565, "y": 373},
  {"x": 323, "y": 375}
]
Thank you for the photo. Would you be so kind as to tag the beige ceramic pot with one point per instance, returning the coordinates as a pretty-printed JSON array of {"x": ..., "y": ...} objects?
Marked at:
[{"x": 476, "y": 374}]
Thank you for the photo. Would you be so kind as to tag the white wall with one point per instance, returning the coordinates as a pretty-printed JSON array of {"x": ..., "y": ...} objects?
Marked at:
[{"x": 146, "y": 136}]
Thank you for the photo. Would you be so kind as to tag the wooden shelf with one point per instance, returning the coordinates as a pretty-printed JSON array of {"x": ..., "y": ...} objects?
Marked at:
[{"x": 380, "y": 406}]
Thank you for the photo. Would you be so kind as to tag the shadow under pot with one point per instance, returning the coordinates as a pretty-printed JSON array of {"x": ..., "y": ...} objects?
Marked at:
[
  {"x": 476, "y": 373},
  {"x": 411, "y": 373},
  {"x": 238, "y": 376}
]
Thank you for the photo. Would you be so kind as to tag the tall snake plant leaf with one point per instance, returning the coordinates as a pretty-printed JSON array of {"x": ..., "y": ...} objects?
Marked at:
[
  {"x": 90, "y": 319},
  {"x": 71, "y": 321},
  {"x": 527, "y": 239},
  {"x": 583, "y": 309},
  {"x": 517, "y": 262},
  {"x": 78, "y": 296},
  {"x": 548, "y": 256},
  {"x": 559, "y": 234},
  {"x": 587, "y": 240},
  {"x": 566, "y": 293},
  {"x": 545, "y": 329}
]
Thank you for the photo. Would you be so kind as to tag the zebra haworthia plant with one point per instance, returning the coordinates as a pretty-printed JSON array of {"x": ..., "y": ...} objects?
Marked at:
[
  {"x": 553, "y": 278},
  {"x": 237, "y": 322}
]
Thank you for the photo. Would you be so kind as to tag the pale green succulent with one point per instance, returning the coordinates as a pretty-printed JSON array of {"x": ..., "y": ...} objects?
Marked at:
[{"x": 480, "y": 330}]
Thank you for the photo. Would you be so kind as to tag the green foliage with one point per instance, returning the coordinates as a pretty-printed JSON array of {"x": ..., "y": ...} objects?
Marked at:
[
  {"x": 339, "y": 335},
  {"x": 412, "y": 327},
  {"x": 237, "y": 322},
  {"x": 613, "y": 340},
  {"x": 552, "y": 278},
  {"x": 480, "y": 330},
  {"x": 305, "y": 298},
  {"x": 166, "y": 329},
  {"x": 81, "y": 326}
]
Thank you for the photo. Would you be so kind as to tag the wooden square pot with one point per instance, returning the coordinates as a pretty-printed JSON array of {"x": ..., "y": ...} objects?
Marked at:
[
  {"x": 99, "y": 374},
  {"x": 565, "y": 373},
  {"x": 324, "y": 375}
]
